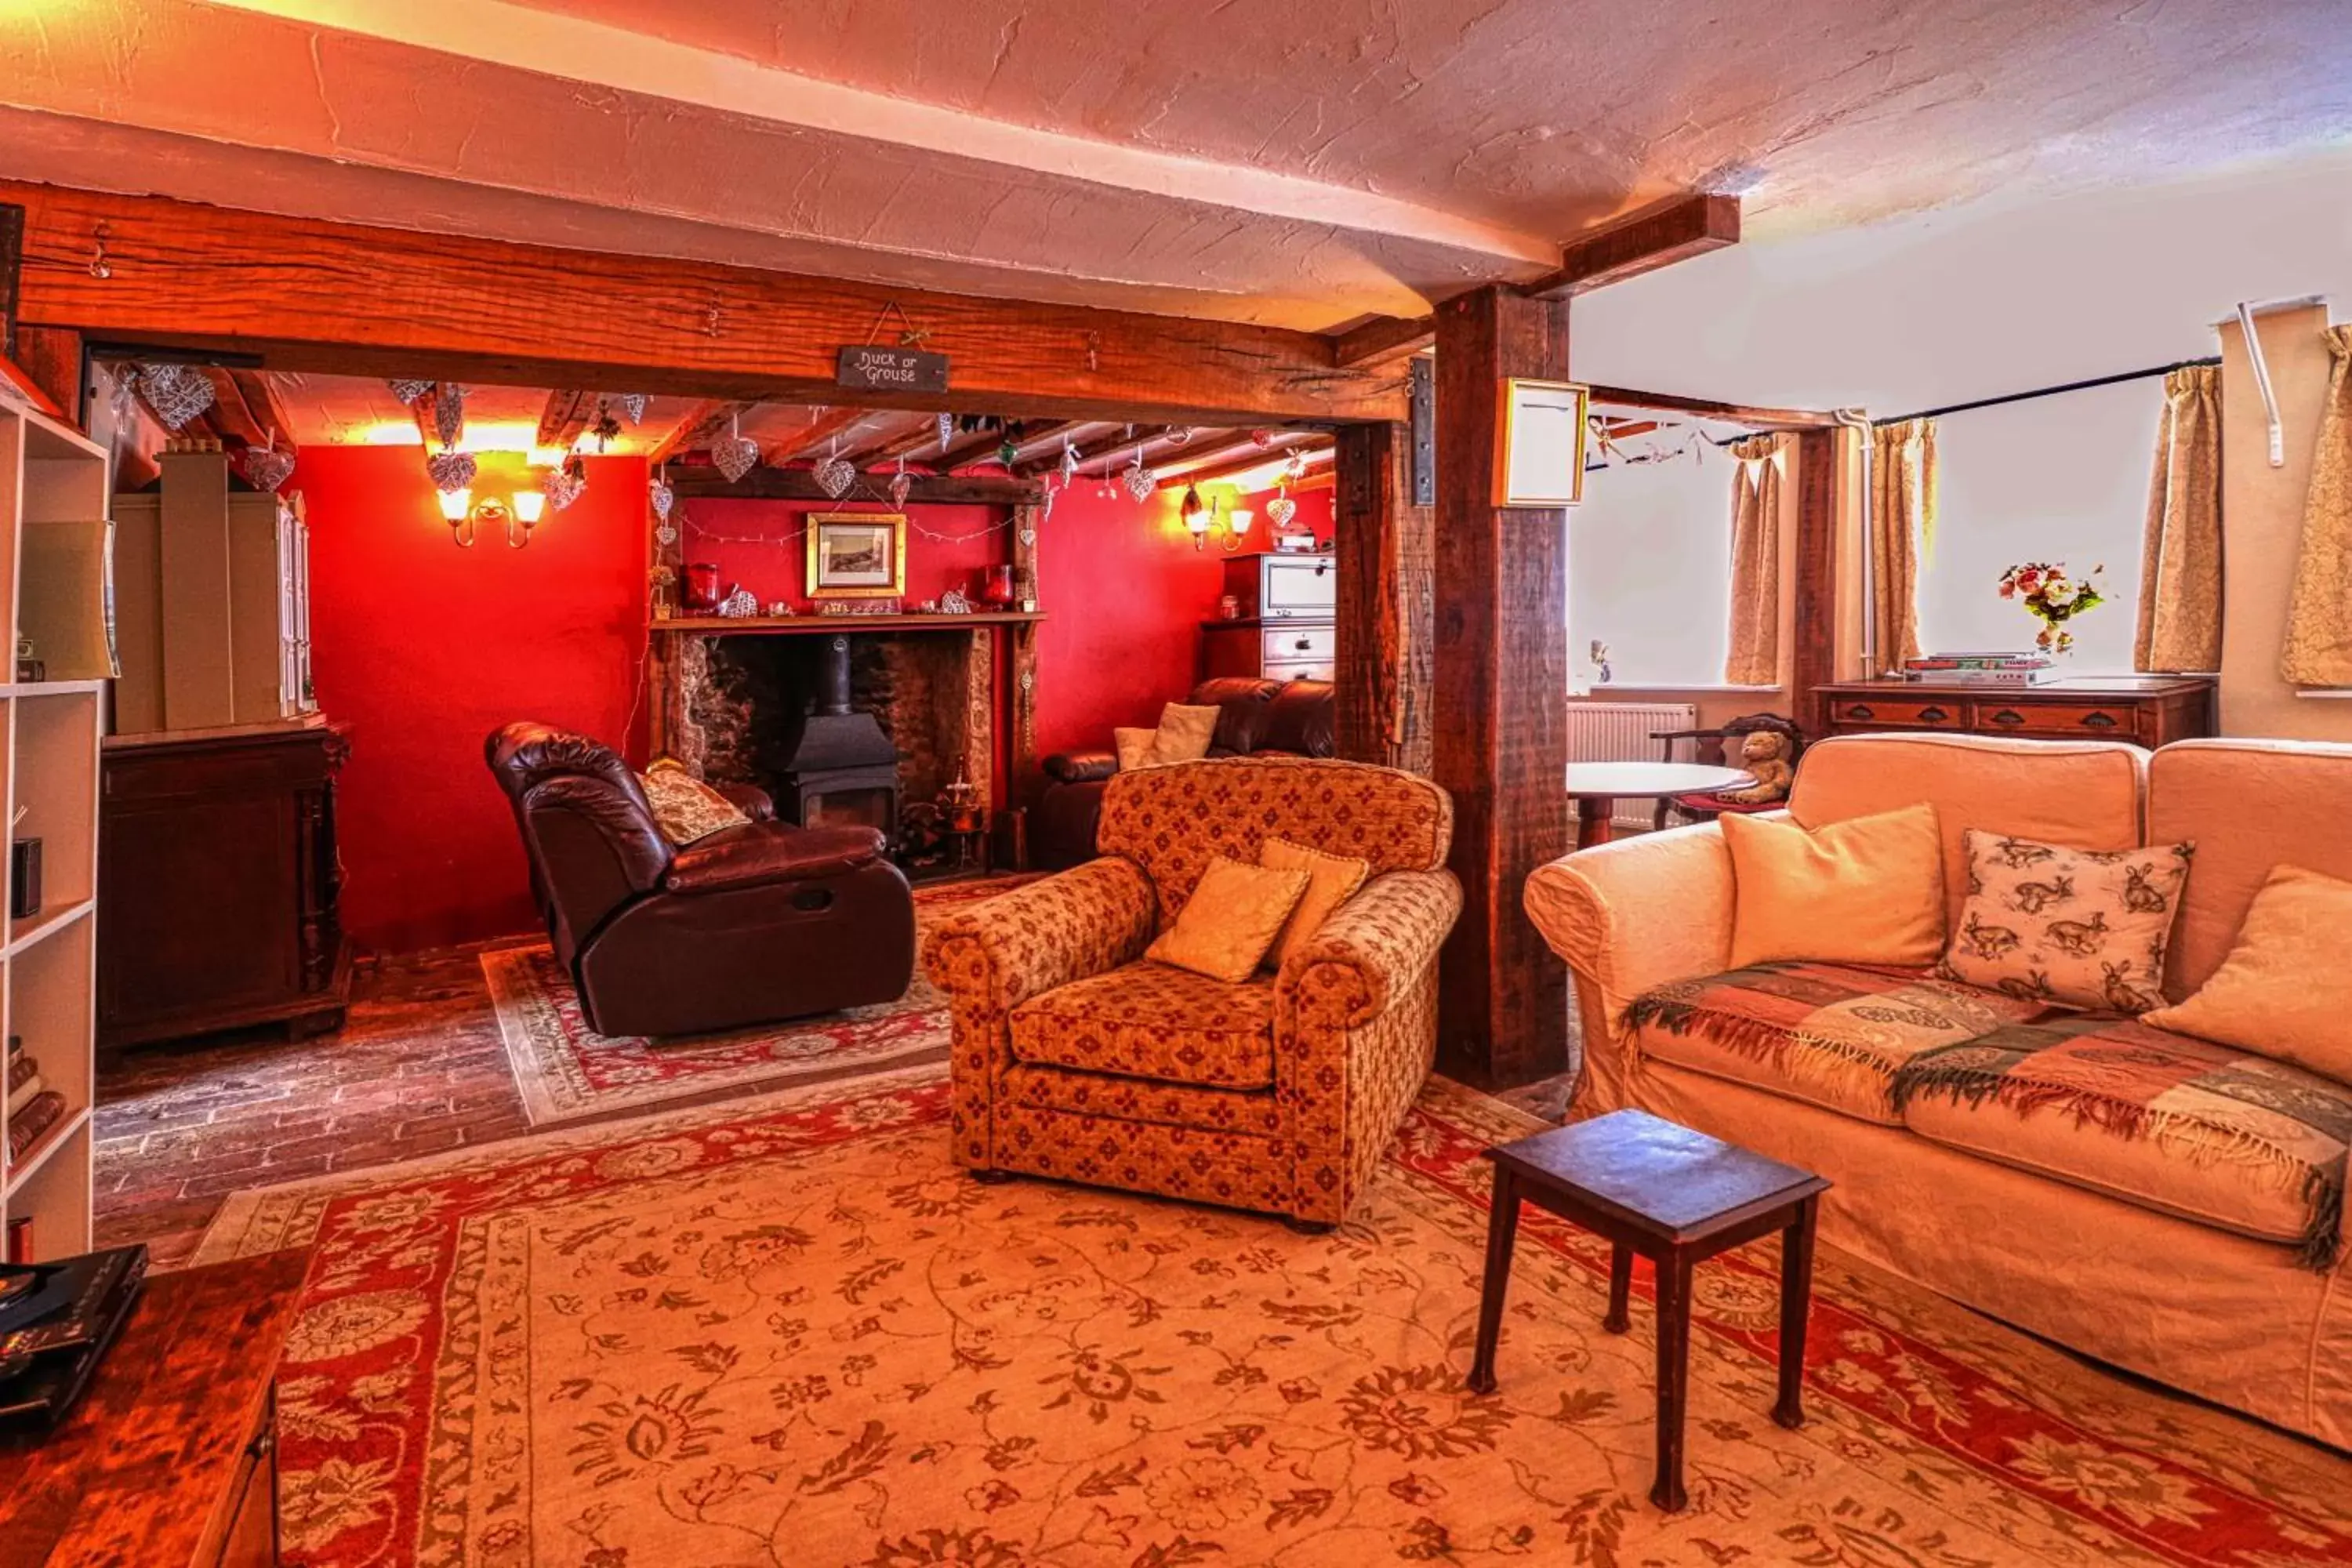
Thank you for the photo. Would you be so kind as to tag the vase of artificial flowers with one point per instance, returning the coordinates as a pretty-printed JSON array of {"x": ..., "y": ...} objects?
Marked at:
[{"x": 2053, "y": 597}]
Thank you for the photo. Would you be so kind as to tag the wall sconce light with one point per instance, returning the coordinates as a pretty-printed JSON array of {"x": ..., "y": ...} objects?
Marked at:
[
  {"x": 1237, "y": 526},
  {"x": 1195, "y": 516},
  {"x": 467, "y": 517}
]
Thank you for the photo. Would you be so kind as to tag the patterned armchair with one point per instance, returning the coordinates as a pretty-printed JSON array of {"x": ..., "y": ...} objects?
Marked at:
[{"x": 1076, "y": 1057}]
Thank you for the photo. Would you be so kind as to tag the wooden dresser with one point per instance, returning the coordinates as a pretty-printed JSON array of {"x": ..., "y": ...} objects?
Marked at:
[
  {"x": 171, "y": 1457},
  {"x": 1288, "y": 626},
  {"x": 2146, "y": 710}
]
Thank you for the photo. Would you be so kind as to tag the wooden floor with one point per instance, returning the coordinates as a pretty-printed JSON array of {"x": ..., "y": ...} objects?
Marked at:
[{"x": 419, "y": 1068}]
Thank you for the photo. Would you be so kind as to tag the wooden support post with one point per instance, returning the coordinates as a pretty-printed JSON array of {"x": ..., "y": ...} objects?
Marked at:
[
  {"x": 1024, "y": 782},
  {"x": 1815, "y": 588},
  {"x": 1384, "y": 548},
  {"x": 1500, "y": 691},
  {"x": 52, "y": 357}
]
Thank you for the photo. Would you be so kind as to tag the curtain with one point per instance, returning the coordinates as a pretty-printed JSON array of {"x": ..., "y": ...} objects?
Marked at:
[
  {"x": 2181, "y": 558},
  {"x": 1755, "y": 659},
  {"x": 1902, "y": 517},
  {"x": 2318, "y": 649}
]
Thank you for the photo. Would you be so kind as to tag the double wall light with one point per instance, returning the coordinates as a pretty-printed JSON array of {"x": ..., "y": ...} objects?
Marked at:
[{"x": 516, "y": 513}]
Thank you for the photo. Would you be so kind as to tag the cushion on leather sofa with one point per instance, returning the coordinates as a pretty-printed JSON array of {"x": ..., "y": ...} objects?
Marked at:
[
  {"x": 1830, "y": 1035},
  {"x": 2168, "y": 1121}
]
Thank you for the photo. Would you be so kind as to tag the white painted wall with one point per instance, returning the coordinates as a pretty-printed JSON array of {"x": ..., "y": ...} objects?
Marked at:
[
  {"x": 1649, "y": 571},
  {"x": 1993, "y": 296}
]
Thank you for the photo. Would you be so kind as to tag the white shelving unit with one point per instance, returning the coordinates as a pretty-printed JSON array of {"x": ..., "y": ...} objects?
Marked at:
[{"x": 48, "y": 771}]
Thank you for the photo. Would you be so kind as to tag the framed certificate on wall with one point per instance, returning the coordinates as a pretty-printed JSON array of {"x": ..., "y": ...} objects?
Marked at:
[{"x": 1539, "y": 436}]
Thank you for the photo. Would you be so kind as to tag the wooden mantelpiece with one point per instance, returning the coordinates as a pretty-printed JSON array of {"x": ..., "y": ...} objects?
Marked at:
[{"x": 737, "y": 626}]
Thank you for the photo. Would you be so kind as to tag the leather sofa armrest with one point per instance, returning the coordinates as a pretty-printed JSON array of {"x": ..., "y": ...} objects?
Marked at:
[
  {"x": 1080, "y": 767},
  {"x": 1637, "y": 913},
  {"x": 750, "y": 800},
  {"x": 1087, "y": 921},
  {"x": 768, "y": 852},
  {"x": 1370, "y": 950}
]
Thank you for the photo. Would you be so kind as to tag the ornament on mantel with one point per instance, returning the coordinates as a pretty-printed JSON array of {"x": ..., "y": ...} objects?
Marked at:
[
  {"x": 450, "y": 470},
  {"x": 953, "y": 603},
  {"x": 266, "y": 468},
  {"x": 740, "y": 605},
  {"x": 834, "y": 474},
  {"x": 901, "y": 484},
  {"x": 177, "y": 392},
  {"x": 448, "y": 412},
  {"x": 566, "y": 482},
  {"x": 734, "y": 455},
  {"x": 632, "y": 404}
]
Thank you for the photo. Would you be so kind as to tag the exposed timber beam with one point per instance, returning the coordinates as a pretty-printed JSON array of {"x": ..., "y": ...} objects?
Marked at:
[
  {"x": 1243, "y": 451},
  {"x": 260, "y": 396},
  {"x": 1658, "y": 236},
  {"x": 804, "y": 441},
  {"x": 567, "y": 414},
  {"x": 697, "y": 423},
  {"x": 1709, "y": 408},
  {"x": 310, "y": 295},
  {"x": 874, "y": 444},
  {"x": 1383, "y": 338},
  {"x": 1313, "y": 456},
  {"x": 699, "y": 482}
]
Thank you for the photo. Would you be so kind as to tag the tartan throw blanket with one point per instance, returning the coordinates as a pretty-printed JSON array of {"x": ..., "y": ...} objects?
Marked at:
[{"x": 2206, "y": 1102}]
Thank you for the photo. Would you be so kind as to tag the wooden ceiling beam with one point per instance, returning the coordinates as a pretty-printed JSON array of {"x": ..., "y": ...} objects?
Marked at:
[
  {"x": 1708, "y": 408},
  {"x": 260, "y": 396},
  {"x": 694, "y": 428},
  {"x": 803, "y": 442},
  {"x": 1258, "y": 457},
  {"x": 235, "y": 423},
  {"x": 1244, "y": 447},
  {"x": 879, "y": 445},
  {"x": 1381, "y": 339},
  {"x": 1658, "y": 236},
  {"x": 313, "y": 295},
  {"x": 567, "y": 414},
  {"x": 699, "y": 482}
]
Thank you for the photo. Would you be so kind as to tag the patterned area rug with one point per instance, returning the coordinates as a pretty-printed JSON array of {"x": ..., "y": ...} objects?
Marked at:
[
  {"x": 788, "y": 1332},
  {"x": 568, "y": 1072}
]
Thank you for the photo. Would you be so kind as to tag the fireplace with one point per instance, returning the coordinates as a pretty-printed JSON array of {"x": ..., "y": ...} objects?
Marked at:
[{"x": 834, "y": 767}]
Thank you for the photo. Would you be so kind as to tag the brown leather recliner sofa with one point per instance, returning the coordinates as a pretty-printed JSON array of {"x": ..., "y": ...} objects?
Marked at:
[
  {"x": 1255, "y": 717},
  {"x": 748, "y": 925}
]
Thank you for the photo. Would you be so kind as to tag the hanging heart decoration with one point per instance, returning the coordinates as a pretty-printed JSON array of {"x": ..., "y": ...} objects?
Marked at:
[
  {"x": 566, "y": 484},
  {"x": 901, "y": 484},
  {"x": 448, "y": 412},
  {"x": 1140, "y": 481},
  {"x": 947, "y": 431},
  {"x": 734, "y": 455},
  {"x": 632, "y": 404},
  {"x": 665, "y": 534},
  {"x": 1262, "y": 437},
  {"x": 662, "y": 496},
  {"x": 266, "y": 468},
  {"x": 177, "y": 392},
  {"x": 1045, "y": 510},
  {"x": 834, "y": 476},
  {"x": 451, "y": 470},
  {"x": 1280, "y": 510},
  {"x": 1069, "y": 461},
  {"x": 409, "y": 390},
  {"x": 740, "y": 605}
]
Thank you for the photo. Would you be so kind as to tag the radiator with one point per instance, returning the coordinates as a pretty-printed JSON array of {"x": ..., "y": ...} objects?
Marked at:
[{"x": 1620, "y": 732}]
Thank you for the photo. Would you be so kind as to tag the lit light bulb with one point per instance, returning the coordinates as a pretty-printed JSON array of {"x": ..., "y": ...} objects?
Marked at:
[
  {"x": 456, "y": 504},
  {"x": 530, "y": 505}
]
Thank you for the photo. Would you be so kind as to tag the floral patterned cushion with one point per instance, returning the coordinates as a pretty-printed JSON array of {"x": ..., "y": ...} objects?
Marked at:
[
  {"x": 2174, "y": 1123},
  {"x": 1148, "y": 1020},
  {"x": 684, "y": 808},
  {"x": 1830, "y": 1035},
  {"x": 2084, "y": 927}
]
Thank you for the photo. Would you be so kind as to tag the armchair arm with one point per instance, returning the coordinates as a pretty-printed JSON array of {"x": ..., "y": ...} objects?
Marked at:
[
  {"x": 1371, "y": 951},
  {"x": 1091, "y": 919},
  {"x": 768, "y": 852},
  {"x": 1080, "y": 767},
  {"x": 1636, "y": 913},
  {"x": 750, "y": 800}
]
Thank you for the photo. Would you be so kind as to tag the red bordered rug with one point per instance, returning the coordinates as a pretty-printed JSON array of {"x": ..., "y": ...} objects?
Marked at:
[
  {"x": 788, "y": 1332},
  {"x": 566, "y": 1071}
]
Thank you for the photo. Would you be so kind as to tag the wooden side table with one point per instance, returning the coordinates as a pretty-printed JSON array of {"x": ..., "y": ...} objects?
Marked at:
[
  {"x": 171, "y": 1457},
  {"x": 1674, "y": 1196},
  {"x": 1597, "y": 787}
]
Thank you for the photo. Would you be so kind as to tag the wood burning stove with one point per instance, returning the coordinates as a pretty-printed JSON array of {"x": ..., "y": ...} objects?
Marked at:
[{"x": 836, "y": 768}]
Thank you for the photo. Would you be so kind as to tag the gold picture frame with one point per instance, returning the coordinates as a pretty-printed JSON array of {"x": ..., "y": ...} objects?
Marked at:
[
  {"x": 1539, "y": 439},
  {"x": 840, "y": 547}
]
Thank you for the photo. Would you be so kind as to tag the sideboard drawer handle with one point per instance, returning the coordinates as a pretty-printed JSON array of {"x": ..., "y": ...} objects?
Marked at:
[
  {"x": 1860, "y": 711},
  {"x": 1303, "y": 644},
  {"x": 1933, "y": 715},
  {"x": 2098, "y": 721},
  {"x": 2008, "y": 716}
]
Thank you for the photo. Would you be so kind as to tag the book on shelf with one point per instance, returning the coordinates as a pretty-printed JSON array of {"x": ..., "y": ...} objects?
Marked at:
[
  {"x": 22, "y": 1085},
  {"x": 43, "y": 1111}
]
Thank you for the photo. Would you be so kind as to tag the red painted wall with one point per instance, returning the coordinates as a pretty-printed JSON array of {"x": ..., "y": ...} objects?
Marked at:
[{"x": 424, "y": 649}]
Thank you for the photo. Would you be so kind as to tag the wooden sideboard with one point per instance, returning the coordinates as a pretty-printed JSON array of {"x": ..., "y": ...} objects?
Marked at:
[
  {"x": 2145, "y": 709},
  {"x": 171, "y": 1457},
  {"x": 1288, "y": 626}
]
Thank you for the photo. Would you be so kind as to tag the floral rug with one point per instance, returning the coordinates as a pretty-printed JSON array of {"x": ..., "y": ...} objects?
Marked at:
[
  {"x": 566, "y": 1071},
  {"x": 787, "y": 1331}
]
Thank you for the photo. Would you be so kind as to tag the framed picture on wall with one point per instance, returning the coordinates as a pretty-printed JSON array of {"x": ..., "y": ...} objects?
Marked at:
[
  {"x": 1540, "y": 429},
  {"x": 856, "y": 555}
]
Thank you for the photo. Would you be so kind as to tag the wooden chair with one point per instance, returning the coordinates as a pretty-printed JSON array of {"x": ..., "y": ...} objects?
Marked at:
[{"x": 1707, "y": 807}]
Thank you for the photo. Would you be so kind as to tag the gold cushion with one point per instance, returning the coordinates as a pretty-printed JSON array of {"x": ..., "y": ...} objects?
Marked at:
[
  {"x": 1332, "y": 880},
  {"x": 2284, "y": 990},
  {"x": 1151, "y": 1022},
  {"x": 1231, "y": 919},
  {"x": 1136, "y": 747},
  {"x": 1182, "y": 737},
  {"x": 685, "y": 808},
  {"x": 1866, "y": 890},
  {"x": 2084, "y": 927}
]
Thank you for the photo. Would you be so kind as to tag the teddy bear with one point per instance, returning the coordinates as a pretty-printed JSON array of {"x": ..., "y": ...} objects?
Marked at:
[{"x": 1765, "y": 755}]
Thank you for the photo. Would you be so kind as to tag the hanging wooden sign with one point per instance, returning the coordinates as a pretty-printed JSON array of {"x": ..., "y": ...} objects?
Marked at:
[{"x": 871, "y": 369}]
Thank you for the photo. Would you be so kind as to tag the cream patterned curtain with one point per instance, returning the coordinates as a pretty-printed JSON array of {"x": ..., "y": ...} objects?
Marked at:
[
  {"x": 1902, "y": 518},
  {"x": 2181, "y": 560},
  {"x": 2318, "y": 649},
  {"x": 1755, "y": 659}
]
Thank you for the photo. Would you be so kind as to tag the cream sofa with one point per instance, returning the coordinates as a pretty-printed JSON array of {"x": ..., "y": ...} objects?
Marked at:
[{"x": 2119, "y": 1274}]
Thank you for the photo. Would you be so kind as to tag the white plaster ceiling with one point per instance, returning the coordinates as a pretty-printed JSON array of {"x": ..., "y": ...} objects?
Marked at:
[{"x": 1256, "y": 159}]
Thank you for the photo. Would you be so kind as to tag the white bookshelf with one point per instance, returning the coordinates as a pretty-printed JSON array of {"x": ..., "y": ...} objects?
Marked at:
[{"x": 48, "y": 771}]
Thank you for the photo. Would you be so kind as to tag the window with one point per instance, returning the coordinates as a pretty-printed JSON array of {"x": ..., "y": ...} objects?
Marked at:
[
  {"x": 1649, "y": 571},
  {"x": 2059, "y": 478}
]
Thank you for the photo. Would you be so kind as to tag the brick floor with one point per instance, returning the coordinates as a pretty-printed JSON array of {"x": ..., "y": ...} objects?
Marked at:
[{"x": 418, "y": 1069}]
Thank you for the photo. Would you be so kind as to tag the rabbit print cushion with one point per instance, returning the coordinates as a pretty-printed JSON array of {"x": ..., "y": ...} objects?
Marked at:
[{"x": 2083, "y": 928}]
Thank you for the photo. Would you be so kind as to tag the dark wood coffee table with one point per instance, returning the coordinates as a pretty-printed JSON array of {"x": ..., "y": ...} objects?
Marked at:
[{"x": 1674, "y": 1196}]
